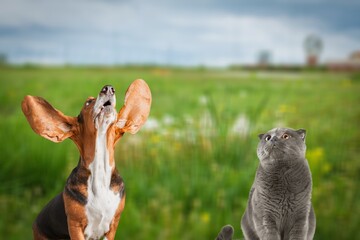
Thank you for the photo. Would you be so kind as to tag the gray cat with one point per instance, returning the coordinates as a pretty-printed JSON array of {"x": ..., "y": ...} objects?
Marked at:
[{"x": 279, "y": 205}]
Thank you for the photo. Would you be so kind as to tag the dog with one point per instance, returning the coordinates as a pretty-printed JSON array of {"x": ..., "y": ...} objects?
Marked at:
[{"x": 94, "y": 195}]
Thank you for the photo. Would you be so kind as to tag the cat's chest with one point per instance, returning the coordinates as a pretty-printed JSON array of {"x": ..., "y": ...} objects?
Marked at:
[
  {"x": 284, "y": 195},
  {"x": 285, "y": 181}
]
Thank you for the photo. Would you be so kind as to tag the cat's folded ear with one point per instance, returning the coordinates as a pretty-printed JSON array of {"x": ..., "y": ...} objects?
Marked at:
[
  {"x": 261, "y": 135},
  {"x": 302, "y": 133}
]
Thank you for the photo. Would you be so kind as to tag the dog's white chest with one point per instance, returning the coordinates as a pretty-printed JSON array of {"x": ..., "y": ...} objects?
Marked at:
[{"x": 102, "y": 201}]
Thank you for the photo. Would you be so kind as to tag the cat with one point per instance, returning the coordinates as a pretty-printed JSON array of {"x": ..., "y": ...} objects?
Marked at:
[{"x": 279, "y": 205}]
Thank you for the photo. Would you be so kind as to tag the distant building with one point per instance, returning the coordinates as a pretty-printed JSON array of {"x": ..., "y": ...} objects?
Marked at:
[
  {"x": 313, "y": 46},
  {"x": 350, "y": 64},
  {"x": 264, "y": 57},
  {"x": 355, "y": 56}
]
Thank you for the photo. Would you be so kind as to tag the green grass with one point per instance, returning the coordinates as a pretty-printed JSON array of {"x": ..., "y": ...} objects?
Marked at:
[{"x": 191, "y": 175}]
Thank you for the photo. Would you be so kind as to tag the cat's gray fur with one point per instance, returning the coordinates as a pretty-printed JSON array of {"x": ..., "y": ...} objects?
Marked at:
[
  {"x": 226, "y": 233},
  {"x": 279, "y": 205}
]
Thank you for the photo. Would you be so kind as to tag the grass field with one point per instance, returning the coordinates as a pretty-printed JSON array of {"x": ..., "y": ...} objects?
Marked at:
[{"x": 189, "y": 170}]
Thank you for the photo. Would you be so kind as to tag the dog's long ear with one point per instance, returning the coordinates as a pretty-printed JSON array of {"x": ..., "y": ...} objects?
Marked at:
[
  {"x": 136, "y": 107},
  {"x": 46, "y": 120}
]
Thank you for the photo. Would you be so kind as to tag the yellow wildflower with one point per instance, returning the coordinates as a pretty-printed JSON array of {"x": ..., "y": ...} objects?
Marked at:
[
  {"x": 205, "y": 217},
  {"x": 345, "y": 83},
  {"x": 316, "y": 158},
  {"x": 286, "y": 109}
]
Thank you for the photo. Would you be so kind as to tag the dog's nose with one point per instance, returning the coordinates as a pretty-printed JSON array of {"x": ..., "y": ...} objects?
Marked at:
[{"x": 108, "y": 90}]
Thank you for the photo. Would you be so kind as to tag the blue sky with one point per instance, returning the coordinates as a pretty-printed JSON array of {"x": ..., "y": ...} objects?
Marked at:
[{"x": 188, "y": 32}]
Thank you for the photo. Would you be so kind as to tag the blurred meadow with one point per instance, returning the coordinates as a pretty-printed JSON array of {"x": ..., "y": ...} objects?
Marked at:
[{"x": 189, "y": 170}]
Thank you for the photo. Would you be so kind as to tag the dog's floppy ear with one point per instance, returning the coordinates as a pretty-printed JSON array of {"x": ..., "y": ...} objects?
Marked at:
[
  {"x": 136, "y": 107},
  {"x": 46, "y": 120}
]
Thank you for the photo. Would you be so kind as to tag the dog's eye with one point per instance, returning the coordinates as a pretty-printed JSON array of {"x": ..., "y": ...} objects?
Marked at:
[
  {"x": 285, "y": 136},
  {"x": 88, "y": 102},
  {"x": 267, "y": 138}
]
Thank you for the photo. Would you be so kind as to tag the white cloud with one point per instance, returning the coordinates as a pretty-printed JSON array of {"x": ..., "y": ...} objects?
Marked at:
[{"x": 144, "y": 31}]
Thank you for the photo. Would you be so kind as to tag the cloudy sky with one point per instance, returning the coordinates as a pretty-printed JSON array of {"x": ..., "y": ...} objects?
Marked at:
[{"x": 177, "y": 32}]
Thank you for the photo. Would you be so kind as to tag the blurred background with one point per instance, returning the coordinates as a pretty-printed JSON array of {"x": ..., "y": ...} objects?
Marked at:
[{"x": 221, "y": 72}]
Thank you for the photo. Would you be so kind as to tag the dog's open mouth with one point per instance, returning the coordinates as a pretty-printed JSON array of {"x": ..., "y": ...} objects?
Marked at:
[
  {"x": 104, "y": 107},
  {"x": 107, "y": 103}
]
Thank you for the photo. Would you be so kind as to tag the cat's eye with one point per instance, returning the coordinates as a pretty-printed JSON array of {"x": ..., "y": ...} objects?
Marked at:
[
  {"x": 285, "y": 136},
  {"x": 267, "y": 138}
]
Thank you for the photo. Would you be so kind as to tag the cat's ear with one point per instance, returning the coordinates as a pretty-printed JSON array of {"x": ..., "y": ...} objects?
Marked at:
[
  {"x": 261, "y": 135},
  {"x": 302, "y": 133}
]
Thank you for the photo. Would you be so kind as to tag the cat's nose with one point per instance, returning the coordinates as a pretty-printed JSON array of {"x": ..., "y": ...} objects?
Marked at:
[{"x": 274, "y": 139}]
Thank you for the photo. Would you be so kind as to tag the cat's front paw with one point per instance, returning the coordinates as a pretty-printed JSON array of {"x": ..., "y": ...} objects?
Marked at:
[{"x": 226, "y": 233}]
